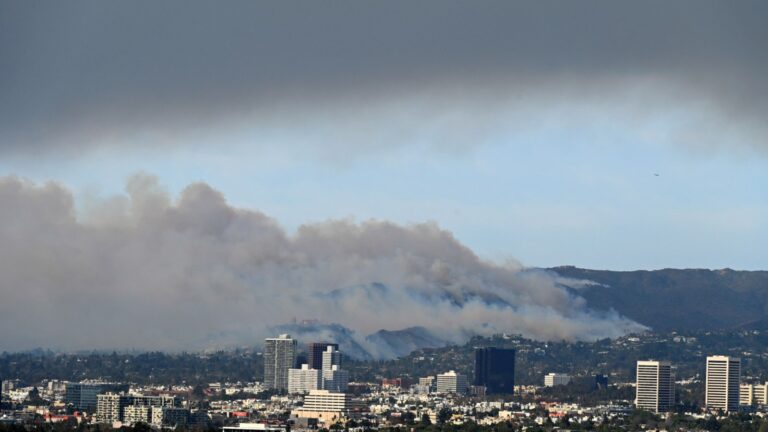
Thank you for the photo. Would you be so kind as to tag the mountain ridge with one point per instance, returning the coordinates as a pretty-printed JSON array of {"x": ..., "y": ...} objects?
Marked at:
[{"x": 676, "y": 299}]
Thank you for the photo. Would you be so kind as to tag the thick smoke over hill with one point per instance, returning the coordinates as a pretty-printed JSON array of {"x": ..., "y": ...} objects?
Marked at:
[{"x": 147, "y": 271}]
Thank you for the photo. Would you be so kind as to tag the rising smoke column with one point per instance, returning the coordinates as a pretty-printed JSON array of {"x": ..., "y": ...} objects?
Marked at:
[{"x": 147, "y": 271}]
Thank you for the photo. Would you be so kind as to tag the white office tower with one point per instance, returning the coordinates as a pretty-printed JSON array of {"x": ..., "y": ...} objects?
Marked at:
[
  {"x": 723, "y": 382},
  {"x": 331, "y": 357},
  {"x": 304, "y": 380},
  {"x": 555, "y": 379},
  {"x": 451, "y": 382},
  {"x": 335, "y": 379},
  {"x": 279, "y": 356},
  {"x": 655, "y": 386}
]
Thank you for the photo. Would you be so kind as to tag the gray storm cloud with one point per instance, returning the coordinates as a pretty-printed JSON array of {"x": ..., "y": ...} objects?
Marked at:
[
  {"x": 147, "y": 271},
  {"x": 86, "y": 73}
]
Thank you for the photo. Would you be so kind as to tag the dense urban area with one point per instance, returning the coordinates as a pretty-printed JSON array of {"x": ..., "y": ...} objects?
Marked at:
[{"x": 650, "y": 381}]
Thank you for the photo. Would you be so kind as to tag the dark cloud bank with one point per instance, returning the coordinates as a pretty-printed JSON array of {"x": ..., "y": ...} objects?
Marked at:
[
  {"x": 76, "y": 74},
  {"x": 149, "y": 272}
]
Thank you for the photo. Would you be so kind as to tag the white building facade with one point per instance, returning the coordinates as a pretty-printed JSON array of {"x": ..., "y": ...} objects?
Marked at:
[
  {"x": 452, "y": 382},
  {"x": 655, "y": 386},
  {"x": 723, "y": 383}
]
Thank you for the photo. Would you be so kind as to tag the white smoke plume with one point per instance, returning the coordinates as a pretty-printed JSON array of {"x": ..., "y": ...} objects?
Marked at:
[{"x": 145, "y": 271}]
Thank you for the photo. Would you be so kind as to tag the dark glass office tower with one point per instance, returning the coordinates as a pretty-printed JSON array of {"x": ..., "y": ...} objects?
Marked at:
[{"x": 495, "y": 369}]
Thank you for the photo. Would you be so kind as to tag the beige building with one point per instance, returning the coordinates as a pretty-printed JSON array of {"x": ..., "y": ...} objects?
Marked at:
[
  {"x": 655, "y": 386},
  {"x": 328, "y": 407},
  {"x": 723, "y": 383},
  {"x": 753, "y": 394},
  {"x": 133, "y": 414}
]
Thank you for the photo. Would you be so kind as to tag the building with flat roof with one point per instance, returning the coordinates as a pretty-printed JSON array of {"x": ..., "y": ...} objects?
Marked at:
[
  {"x": 753, "y": 394},
  {"x": 495, "y": 369},
  {"x": 328, "y": 407},
  {"x": 279, "y": 357},
  {"x": 723, "y": 383},
  {"x": 315, "y": 352},
  {"x": 304, "y": 380},
  {"x": 82, "y": 396},
  {"x": 555, "y": 379},
  {"x": 655, "y": 388},
  {"x": 113, "y": 407},
  {"x": 452, "y": 382},
  {"x": 335, "y": 379}
]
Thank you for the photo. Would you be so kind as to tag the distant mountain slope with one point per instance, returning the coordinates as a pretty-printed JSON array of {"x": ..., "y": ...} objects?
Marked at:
[
  {"x": 400, "y": 343},
  {"x": 678, "y": 300}
]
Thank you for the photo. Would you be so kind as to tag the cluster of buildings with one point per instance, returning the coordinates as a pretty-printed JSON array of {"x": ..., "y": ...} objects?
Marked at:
[
  {"x": 283, "y": 370},
  {"x": 724, "y": 391},
  {"x": 314, "y": 390},
  {"x": 101, "y": 402},
  {"x": 325, "y": 384}
]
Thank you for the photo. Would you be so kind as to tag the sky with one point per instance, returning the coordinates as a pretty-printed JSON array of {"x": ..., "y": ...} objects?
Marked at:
[
  {"x": 601, "y": 134},
  {"x": 605, "y": 135}
]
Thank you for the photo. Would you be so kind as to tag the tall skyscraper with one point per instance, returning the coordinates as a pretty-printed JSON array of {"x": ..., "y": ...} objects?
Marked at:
[
  {"x": 723, "y": 382},
  {"x": 655, "y": 389},
  {"x": 495, "y": 369},
  {"x": 315, "y": 352},
  {"x": 331, "y": 357},
  {"x": 279, "y": 356},
  {"x": 334, "y": 378}
]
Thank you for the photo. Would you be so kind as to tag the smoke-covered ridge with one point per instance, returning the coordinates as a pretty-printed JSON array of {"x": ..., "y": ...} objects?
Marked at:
[{"x": 147, "y": 271}]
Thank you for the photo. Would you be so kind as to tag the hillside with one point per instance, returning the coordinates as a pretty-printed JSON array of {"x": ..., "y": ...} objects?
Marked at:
[{"x": 679, "y": 300}]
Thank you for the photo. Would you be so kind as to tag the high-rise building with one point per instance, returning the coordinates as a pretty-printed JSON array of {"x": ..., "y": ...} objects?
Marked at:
[
  {"x": 555, "y": 379},
  {"x": 315, "y": 352},
  {"x": 331, "y": 357},
  {"x": 279, "y": 356},
  {"x": 452, "y": 382},
  {"x": 495, "y": 369},
  {"x": 723, "y": 382},
  {"x": 304, "y": 380},
  {"x": 335, "y": 379},
  {"x": 655, "y": 389}
]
